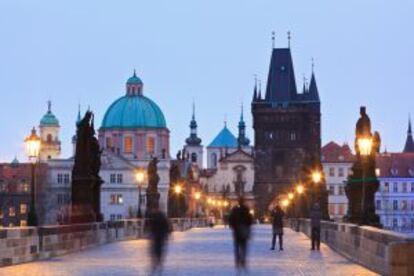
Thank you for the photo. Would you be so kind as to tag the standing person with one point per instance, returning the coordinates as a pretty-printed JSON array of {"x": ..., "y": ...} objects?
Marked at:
[
  {"x": 316, "y": 215},
  {"x": 159, "y": 228},
  {"x": 277, "y": 227},
  {"x": 240, "y": 221}
]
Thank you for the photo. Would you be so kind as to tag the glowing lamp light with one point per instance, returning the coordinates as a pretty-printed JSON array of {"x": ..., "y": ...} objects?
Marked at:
[
  {"x": 197, "y": 195},
  {"x": 140, "y": 176},
  {"x": 290, "y": 195},
  {"x": 178, "y": 189},
  {"x": 32, "y": 145},
  {"x": 365, "y": 146},
  {"x": 251, "y": 212},
  {"x": 316, "y": 176},
  {"x": 285, "y": 203},
  {"x": 226, "y": 203},
  {"x": 300, "y": 189},
  {"x": 209, "y": 201}
]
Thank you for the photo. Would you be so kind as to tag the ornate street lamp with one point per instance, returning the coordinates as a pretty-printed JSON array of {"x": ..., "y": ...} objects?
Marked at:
[
  {"x": 140, "y": 178},
  {"x": 365, "y": 149},
  {"x": 33, "y": 149}
]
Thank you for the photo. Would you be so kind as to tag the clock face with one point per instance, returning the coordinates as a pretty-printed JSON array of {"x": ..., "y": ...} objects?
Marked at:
[{"x": 282, "y": 68}]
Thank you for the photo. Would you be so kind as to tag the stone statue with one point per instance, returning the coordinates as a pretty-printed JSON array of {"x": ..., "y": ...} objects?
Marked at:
[
  {"x": 153, "y": 195},
  {"x": 86, "y": 181}
]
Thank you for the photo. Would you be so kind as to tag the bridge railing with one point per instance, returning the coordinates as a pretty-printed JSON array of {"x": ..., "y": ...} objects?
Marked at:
[
  {"x": 24, "y": 244},
  {"x": 382, "y": 251}
]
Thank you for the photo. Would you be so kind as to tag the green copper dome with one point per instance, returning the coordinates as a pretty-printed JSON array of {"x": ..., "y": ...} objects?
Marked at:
[
  {"x": 135, "y": 111},
  {"x": 49, "y": 119},
  {"x": 134, "y": 79}
]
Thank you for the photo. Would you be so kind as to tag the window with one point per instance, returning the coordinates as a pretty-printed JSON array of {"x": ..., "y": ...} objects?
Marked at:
[
  {"x": 60, "y": 178},
  {"x": 412, "y": 187},
  {"x": 49, "y": 138},
  {"x": 112, "y": 217},
  {"x": 404, "y": 187},
  {"x": 341, "y": 210},
  {"x": 23, "y": 222},
  {"x": 60, "y": 198},
  {"x": 331, "y": 209},
  {"x": 386, "y": 187},
  {"x": 128, "y": 144},
  {"x": 119, "y": 178},
  {"x": 214, "y": 160},
  {"x": 378, "y": 204},
  {"x": 112, "y": 178},
  {"x": 341, "y": 190},
  {"x": 66, "y": 178},
  {"x": 119, "y": 217},
  {"x": 23, "y": 208},
  {"x": 404, "y": 205},
  {"x": 150, "y": 145},
  {"x": 116, "y": 199},
  {"x": 395, "y": 187},
  {"x": 194, "y": 157},
  {"x": 341, "y": 172},
  {"x": 395, "y": 204},
  {"x": 3, "y": 187},
  {"x": 108, "y": 142},
  {"x": 293, "y": 136},
  {"x": 394, "y": 223},
  {"x": 12, "y": 212},
  {"x": 386, "y": 204},
  {"x": 26, "y": 187},
  {"x": 331, "y": 190},
  {"x": 331, "y": 171}
]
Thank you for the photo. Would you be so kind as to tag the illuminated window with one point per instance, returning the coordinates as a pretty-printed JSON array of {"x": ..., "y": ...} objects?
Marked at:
[
  {"x": 12, "y": 212},
  {"x": 23, "y": 208},
  {"x": 108, "y": 142},
  {"x": 386, "y": 187},
  {"x": 150, "y": 145},
  {"x": 2, "y": 215},
  {"x": 26, "y": 188},
  {"x": 116, "y": 199},
  {"x": 49, "y": 138},
  {"x": 128, "y": 144},
  {"x": 23, "y": 222}
]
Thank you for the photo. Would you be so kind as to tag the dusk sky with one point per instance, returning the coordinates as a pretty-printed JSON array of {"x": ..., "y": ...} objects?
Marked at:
[{"x": 84, "y": 51}]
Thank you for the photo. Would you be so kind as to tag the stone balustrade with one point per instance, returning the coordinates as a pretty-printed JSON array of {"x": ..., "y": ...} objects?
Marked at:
[
  {"x": 382, "y": 251},
  {"x": 24, "y": 244}
]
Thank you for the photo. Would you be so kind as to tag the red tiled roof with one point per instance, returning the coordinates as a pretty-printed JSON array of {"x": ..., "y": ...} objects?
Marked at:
[
  {"x": 395, "y": 164},
  {"x": 334, "y": 153}
]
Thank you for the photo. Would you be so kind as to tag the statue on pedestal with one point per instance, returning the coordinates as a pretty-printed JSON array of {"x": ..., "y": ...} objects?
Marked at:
[
  {"x": 153, "y": 196},
  {"x": 363, "y": 183},
  {"x": 86, "y": 182}
]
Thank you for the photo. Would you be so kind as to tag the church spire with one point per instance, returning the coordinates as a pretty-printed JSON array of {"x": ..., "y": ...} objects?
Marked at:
[
  {"x": 313, "y": 89},
  {"x": 242, "y": 139},
  {"x": 255, "y": 89},
  {"x": 193, "y": 140},
  {"x": 409, "y": 143}
]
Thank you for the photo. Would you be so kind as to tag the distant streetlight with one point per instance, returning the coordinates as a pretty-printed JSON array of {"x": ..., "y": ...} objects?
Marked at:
[
  {"x": 33, "y": 149},
  {"x": 290, "y": 196},
  {"x": 197, "y": 195},
  {"x": 300, "y": 189},
  {"x": 316, "y": 177},
  {"x": 285, "y": 203},
  {"x": 178, "y": 189},
  {"x": 140, "y": 177}
]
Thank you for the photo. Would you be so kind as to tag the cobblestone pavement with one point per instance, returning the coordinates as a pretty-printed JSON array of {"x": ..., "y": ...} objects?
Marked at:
[{"x": 197, "y": 252}]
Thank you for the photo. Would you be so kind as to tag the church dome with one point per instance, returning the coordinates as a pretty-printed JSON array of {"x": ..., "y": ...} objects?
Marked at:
[
  {"x": 133, "y": 110},
  {"x": 49, "y": 119}
]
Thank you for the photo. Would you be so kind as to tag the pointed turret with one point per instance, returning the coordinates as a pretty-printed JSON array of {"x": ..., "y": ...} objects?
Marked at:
[
  {"x": 281, "y": 84},
  {"x": 313, "y": 89},
  {"x": 409, "y": 143},
  {"x": 242, "y": 139},
  {"x": 193, "y": 140},
  {"x": 255, "y": 91}
]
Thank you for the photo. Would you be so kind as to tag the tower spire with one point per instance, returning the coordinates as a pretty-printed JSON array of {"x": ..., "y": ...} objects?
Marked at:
[
  {"x": 288, "y": 37},
  {"x": 273, "y": 39},
  {"x": 255, "y": 89},
  {"x": 260, "y": 90},
  {"x": 193, "y": 140},
  {"x": 242, "y": 139},
  {"x": 409, "y": 143}
]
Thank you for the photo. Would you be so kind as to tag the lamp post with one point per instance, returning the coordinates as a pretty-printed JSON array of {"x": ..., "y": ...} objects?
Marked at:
[
  {"x": 140, "y": 177},
  {"x": 33, "y": 148},
  {"x": 197, "y": 197},
  {"x": 316, "y": 179},
  {"x": 365, "y": 148}
]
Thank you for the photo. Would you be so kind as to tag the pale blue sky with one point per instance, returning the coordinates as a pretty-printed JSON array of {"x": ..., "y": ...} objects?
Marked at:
[{"x": 83, "y": 51}]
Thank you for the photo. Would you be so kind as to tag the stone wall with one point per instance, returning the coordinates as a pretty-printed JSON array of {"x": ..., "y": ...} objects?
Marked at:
[
  {"x": 382, "y": 251},
  {"x": 24, "y": 244}
]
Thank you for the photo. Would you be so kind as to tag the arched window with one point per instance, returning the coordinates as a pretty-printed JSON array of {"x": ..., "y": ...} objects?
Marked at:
[
  {"x": 128, "y": 144},
  {"x": 150, "y": 145},
  {"x": 49, "y": 138},
  {"x": 194, "y": 157},
  {"x": 214, "y": 160}
]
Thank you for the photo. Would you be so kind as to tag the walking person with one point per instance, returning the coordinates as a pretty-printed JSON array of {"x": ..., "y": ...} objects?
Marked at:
[
  {"x": 159, "y": 228},
  {"x": 240, "y": 221},
  {"x": 277, "y": 227},
  {"x": 316, "y": 215}
]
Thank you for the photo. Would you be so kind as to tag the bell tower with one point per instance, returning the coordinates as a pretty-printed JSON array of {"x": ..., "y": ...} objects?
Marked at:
[{"x": 49, "y": 135}]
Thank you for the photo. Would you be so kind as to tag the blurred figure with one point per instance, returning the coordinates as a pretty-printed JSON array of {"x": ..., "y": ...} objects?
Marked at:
[
  {"x": 277, "y": 227},
  {"x": 315, "y": 216},
  {"x": 240, "y": 221},
  {"x": 159, "y": 228}
]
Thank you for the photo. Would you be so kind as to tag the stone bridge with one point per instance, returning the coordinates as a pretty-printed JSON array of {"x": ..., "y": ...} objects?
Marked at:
[{"x": 120, "y": 248}]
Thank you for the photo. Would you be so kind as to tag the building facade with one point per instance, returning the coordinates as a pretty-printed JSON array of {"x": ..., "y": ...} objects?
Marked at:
[
  {"x": 337, "y": 162},
  {"x": 287, "y": 129}
]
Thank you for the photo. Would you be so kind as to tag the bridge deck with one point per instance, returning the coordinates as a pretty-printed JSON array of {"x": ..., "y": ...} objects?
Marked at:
[{"x": 198, "y": 252}]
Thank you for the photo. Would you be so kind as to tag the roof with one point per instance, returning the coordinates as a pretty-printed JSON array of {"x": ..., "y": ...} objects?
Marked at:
[
  {"x": 395, "y": 164},
  {"x": 334, "y": 153},
  {"x": 133, "y": 111},
  {"x": 225, "y": 139},
  {"x": 134, "y": 79},
  {"x": 49, "y": 119}
]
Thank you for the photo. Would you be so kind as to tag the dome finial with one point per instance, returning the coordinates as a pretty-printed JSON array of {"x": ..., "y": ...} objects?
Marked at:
[
  {"x": 135, "y": 73},
  {"x": 49, "y": 106}
]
